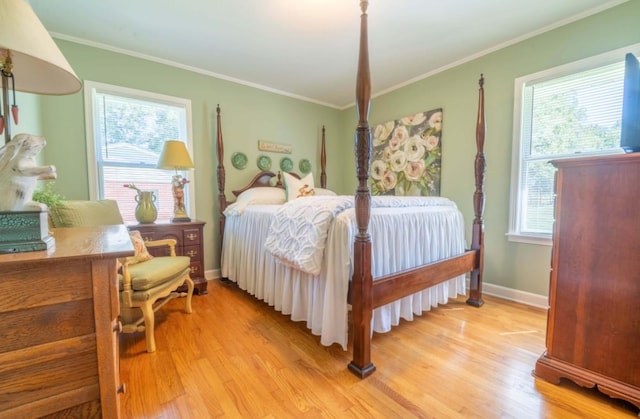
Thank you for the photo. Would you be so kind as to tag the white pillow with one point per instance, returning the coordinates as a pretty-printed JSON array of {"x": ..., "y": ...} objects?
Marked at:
[
  {"x": 256, "y": 196},
  {"x": 263, "y": 195},
  {"x": 324, "y": 192},
  {"x": 297, "y": 188}
]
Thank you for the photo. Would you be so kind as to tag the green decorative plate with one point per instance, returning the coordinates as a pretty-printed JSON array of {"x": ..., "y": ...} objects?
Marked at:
[
  {"x": 304, "y": 166},
  {"x": 239, "y": 160},
  {"x": 264, "y": 163},
  {"x": 286, "y": 164}
]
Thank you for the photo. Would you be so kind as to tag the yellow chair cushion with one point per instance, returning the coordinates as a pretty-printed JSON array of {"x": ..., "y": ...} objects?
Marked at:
[{"x": 157, "y": 271}]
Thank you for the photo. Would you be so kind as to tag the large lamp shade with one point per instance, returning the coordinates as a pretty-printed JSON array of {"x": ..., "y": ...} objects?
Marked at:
[
  {"x": 175, "y": 156},
  {"x": 37, "y": 63}
]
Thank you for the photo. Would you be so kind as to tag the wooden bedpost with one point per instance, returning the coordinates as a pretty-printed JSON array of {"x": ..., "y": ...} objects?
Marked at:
[
  {"x": 222, "y": 198},
  {"x": 362, "y": 282},
  {"x": 477, "y": 237},
  {"x": 323, "y": 162}
]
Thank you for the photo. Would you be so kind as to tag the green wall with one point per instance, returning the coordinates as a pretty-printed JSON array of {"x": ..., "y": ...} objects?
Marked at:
[
  {"x": 249, "y": 115},
  {"x": 29, "y": 116},
  {"x": 519, "y": 266}
]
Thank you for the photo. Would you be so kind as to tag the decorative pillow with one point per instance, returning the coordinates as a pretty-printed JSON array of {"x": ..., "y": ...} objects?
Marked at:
[
  {"x": 324, "y": 192},
  {"x": 298, "y": 188},
  {"x": 256, "y": 196},
  {"x": 141, "y": 253}
]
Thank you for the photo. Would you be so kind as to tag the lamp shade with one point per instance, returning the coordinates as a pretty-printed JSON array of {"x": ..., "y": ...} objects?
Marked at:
[
  {"x": 175, "y": 156},
  {"x": 38, "y": 64}
]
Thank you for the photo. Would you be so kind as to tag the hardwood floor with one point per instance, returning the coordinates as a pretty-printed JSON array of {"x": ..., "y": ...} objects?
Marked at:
[{"x": 235, "y": 356}]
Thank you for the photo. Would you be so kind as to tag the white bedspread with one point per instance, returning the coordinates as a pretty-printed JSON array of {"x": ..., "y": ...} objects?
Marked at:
[
  {"x": 402, "y": 238},
  {"x": 298, "y": 232}
]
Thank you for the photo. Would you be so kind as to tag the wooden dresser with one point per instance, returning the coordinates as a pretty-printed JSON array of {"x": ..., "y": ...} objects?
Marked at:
[
  {"x": 593, "y": 326},
  {"x": 59, "y": 326},
  {"x": 190, "y": 243}
]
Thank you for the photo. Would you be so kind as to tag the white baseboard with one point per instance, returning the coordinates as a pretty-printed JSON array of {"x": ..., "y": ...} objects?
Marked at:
[
  {"x": 535, "y": 300},
  {"x": 212, "y": 274}
]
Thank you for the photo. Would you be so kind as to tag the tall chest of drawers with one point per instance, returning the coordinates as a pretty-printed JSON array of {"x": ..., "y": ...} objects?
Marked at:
[
  {"x": 190, "y": 242},
  {"x": 593, "y": 325}
]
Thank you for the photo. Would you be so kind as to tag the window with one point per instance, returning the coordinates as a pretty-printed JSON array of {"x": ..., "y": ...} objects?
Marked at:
[
  {"x": 126, "y": 130},
  {"x": 559, "y": 113}
]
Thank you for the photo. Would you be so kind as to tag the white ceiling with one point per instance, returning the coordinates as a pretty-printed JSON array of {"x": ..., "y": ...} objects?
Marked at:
[{"x": 308, "y": 48}]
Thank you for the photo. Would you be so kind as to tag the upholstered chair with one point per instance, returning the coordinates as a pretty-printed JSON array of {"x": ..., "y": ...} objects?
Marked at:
[{"x": 146, "y": 282}]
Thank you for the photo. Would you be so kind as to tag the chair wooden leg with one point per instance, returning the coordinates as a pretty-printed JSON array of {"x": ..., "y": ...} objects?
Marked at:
[
  {"x": 189, "y": 282},
  {"x": 149, "y": 320}
]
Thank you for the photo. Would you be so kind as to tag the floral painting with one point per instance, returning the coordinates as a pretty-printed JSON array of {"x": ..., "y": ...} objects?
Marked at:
[{"x": 407, "y": 154}]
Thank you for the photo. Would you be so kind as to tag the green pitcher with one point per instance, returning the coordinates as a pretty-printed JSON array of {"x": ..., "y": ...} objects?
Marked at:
[{"x": 146, "y": 211}]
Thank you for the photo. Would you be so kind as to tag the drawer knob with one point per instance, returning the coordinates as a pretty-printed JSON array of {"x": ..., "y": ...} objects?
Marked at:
[
  {"x": 192, "y": 253},
  {"x": 118, "y": 327},
  {"x": 122, "y": 388},
  {"x": 192, "y": 236}
]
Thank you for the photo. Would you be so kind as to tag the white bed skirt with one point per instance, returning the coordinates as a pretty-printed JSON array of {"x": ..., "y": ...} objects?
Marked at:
[{"x": 402, "y": 238}]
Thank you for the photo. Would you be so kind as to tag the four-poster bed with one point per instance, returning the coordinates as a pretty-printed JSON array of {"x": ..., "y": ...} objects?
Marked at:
[{"x": 430, "y": 278}]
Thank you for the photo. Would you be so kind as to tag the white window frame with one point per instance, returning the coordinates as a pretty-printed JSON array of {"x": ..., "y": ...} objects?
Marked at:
[
  {"x": 515, "y": 200},
  {"x": 91, "y": 88}
]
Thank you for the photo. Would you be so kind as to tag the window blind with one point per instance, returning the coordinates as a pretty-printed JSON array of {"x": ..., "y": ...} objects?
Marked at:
[{"x": 573, "y": 114}]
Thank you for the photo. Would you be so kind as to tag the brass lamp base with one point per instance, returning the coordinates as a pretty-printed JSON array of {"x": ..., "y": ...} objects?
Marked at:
[
  {"x": 180, "y": 217},
  {"x": 181, "y": 220},
  {"x": 24, "y": 231}
]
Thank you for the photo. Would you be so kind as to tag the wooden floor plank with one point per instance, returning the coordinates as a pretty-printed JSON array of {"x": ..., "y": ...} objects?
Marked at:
[{"x": 234, "y": 356}]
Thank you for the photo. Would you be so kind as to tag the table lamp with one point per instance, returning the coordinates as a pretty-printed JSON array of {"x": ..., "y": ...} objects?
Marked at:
[
  {"x": 175, "y": 156},
  {"x": 31, "y": 62}
]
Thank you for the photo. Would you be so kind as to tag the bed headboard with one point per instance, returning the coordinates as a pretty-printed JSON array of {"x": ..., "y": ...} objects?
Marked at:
[{"x": 262, "y": 179}]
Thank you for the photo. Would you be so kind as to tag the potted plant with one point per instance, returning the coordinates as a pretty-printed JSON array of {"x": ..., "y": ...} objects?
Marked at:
[{"x": 48, "y": 196}]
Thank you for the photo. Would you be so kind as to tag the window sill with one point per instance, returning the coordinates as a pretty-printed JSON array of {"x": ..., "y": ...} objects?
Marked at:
[{"x": 530, "y": 239}]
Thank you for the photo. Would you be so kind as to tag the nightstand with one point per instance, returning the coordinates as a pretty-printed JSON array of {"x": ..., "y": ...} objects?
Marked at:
[{"x": 190, "y": 242}]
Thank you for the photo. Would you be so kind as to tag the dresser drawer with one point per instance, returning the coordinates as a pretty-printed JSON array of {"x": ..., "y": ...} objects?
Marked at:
[
  {"x": 191, "y": 237},
  {"x": 146, "y": 235},
  {"x": 193, "y": 252},
  {"x": 196, "y": 270}
]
